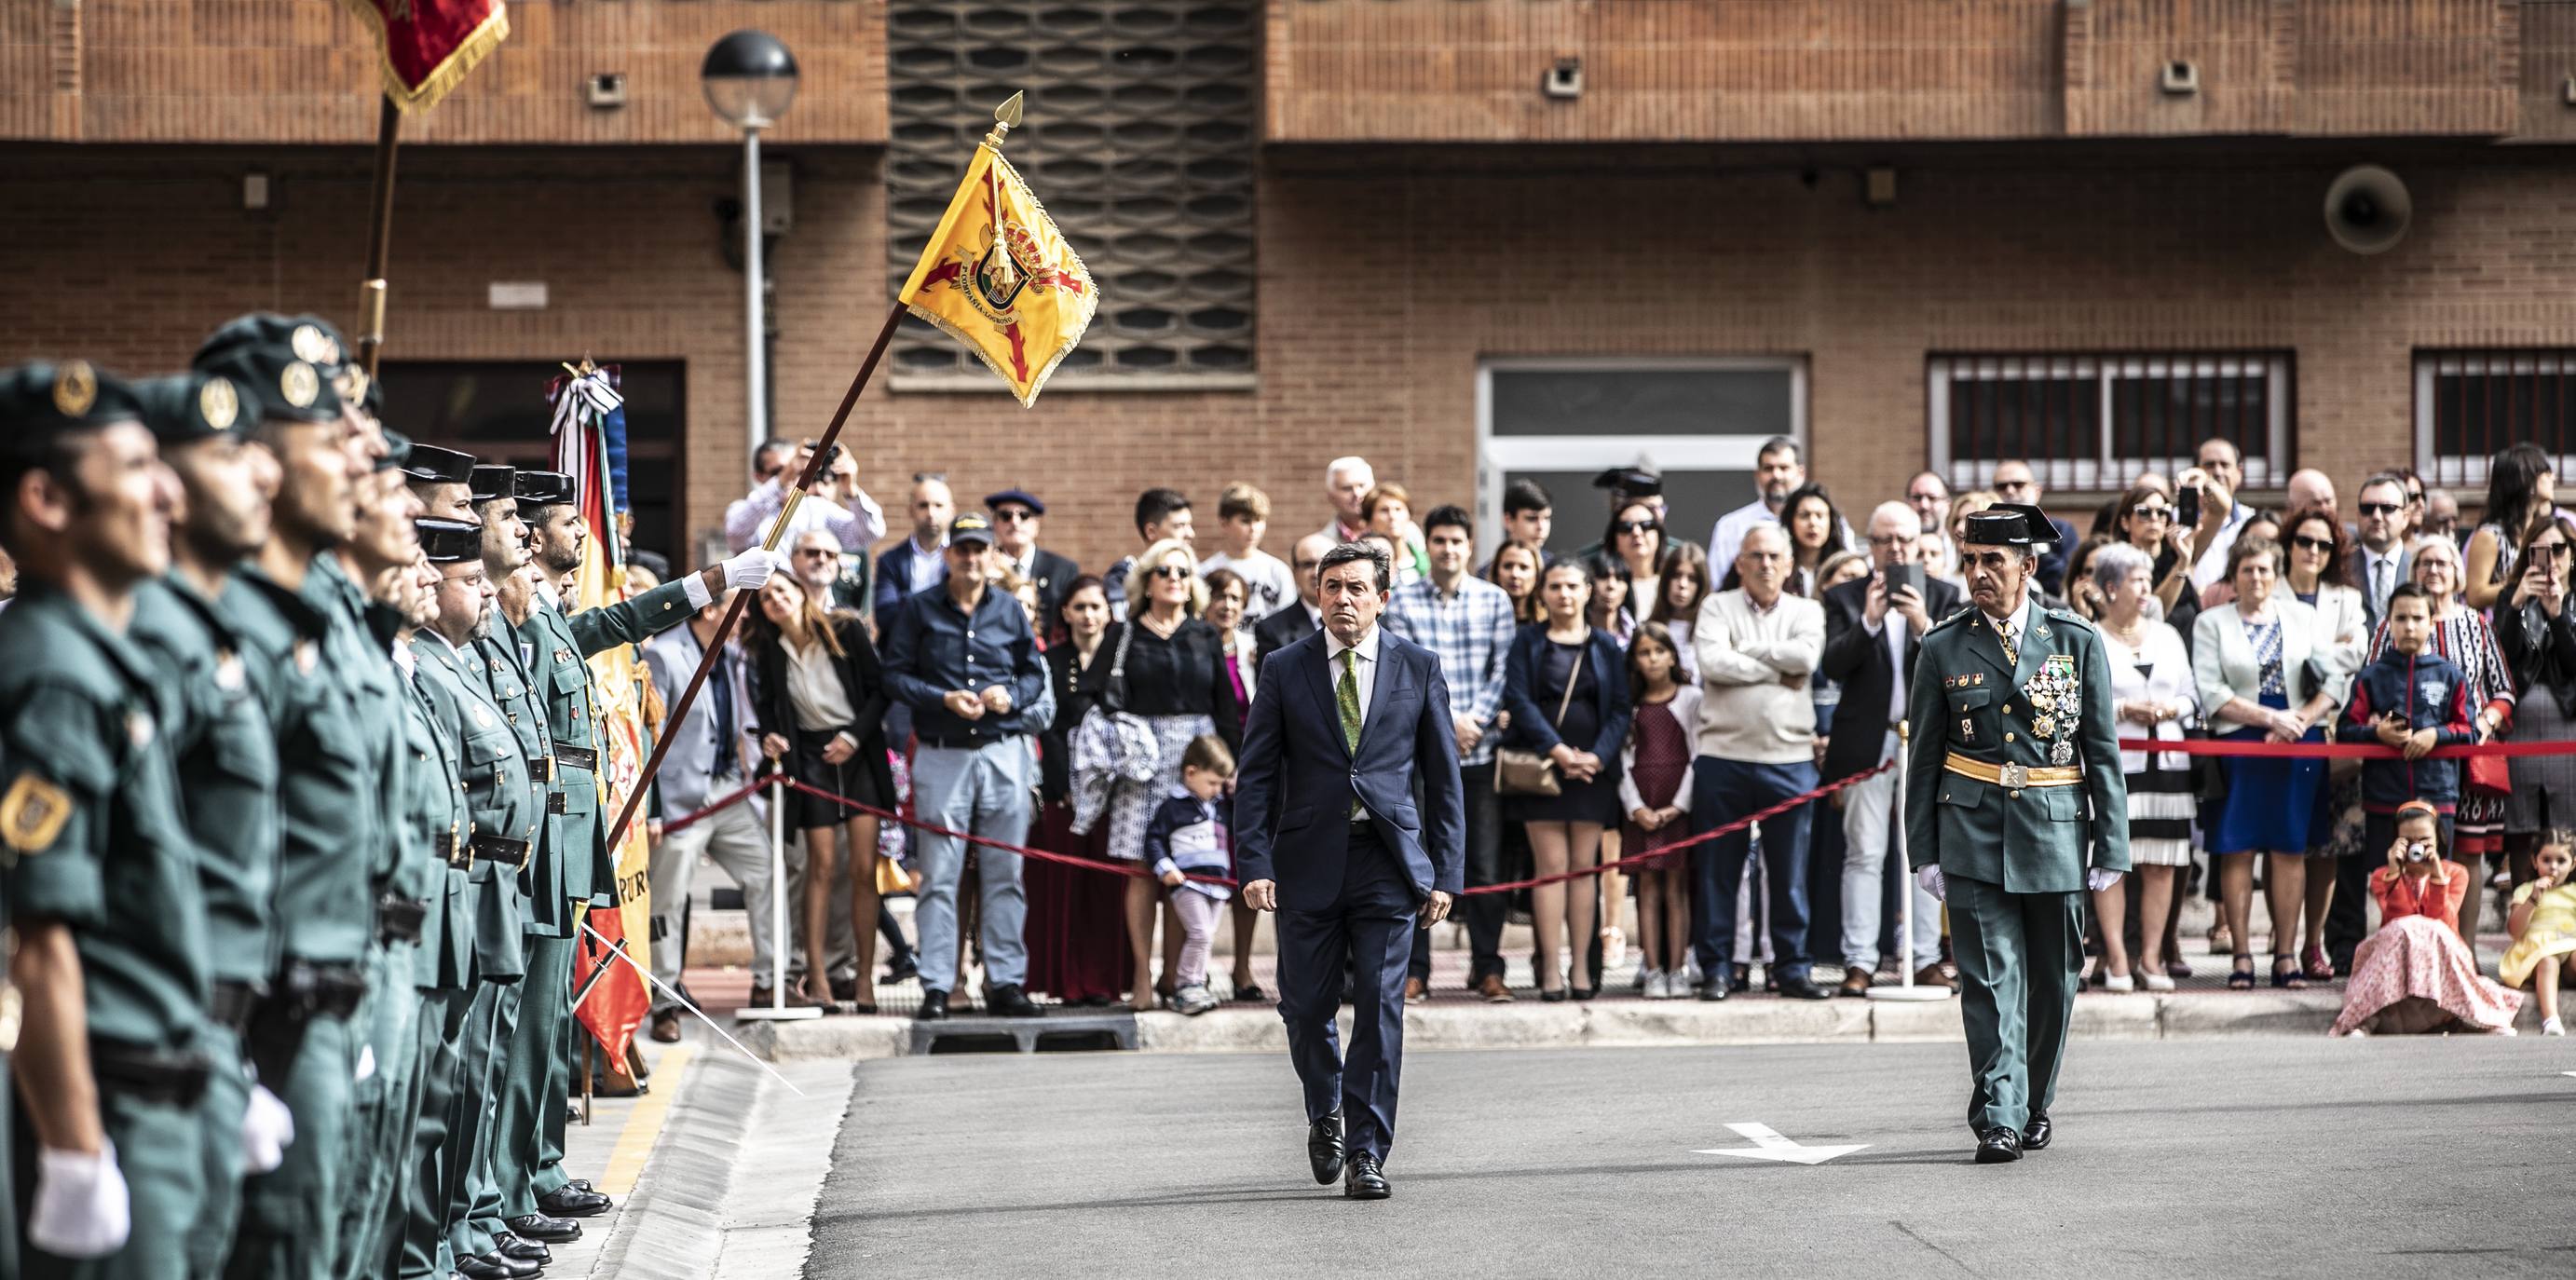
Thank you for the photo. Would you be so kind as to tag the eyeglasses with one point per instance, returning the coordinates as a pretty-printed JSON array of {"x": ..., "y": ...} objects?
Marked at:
[
  {"x": 1015, "y": 515},
  {"x": 2322, "y": 546},
  {"x": 818, "y": 553},
  {"x": 2382, "y": 508},
  {"x": 1636, "y": 526},
  {"x": 2157, "y": 511},
  {"x": 1167, "y": 572}
]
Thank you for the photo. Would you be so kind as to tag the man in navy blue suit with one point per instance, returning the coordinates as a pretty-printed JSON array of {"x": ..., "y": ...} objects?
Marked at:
[{"x": 1350, "y": 824}]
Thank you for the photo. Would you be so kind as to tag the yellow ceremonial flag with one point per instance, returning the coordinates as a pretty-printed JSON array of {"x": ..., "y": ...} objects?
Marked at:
[{"x": 999, "y": 277}]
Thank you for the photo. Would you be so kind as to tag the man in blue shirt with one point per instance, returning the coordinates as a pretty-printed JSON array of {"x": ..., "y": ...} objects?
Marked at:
[
  {"x": 960, "y": 655},
  {"x": 1466, "y": 622}
]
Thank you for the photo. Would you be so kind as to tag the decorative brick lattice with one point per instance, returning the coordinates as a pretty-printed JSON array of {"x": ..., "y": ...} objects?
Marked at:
[{"x": 1139, "y": 138}]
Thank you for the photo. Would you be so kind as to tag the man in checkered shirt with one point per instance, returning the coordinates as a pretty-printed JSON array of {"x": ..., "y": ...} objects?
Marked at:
[{"x": 1467, "y": 622}]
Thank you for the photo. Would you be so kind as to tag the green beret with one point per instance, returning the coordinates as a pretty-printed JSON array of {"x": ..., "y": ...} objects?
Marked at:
[
  {"x": 289, "y": 389},
  {"x": 187, "y": 407},
  {"x": 42, "y": 400},
  {"x": 308, "y": 338}
]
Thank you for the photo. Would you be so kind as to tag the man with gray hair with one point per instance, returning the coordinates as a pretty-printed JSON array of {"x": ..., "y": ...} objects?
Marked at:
[
  {"x": 1347, "y": 482},
  {"x": 1874, "y": 632}
]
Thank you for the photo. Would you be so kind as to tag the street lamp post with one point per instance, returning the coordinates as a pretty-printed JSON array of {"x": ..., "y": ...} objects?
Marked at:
[{"x": 750, "y": 78}]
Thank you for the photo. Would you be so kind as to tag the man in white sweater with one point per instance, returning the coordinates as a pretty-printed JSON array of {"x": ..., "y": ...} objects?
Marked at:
[{"x": 1757, "y": 647}]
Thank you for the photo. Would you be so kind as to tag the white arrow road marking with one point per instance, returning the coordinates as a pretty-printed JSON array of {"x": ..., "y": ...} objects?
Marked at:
[{"x": 1769, "y": 1145}]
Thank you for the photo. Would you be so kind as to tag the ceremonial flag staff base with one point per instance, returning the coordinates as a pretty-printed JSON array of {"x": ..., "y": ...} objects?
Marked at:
[
  {"x": 1905, "y": 903},
  {"x": 778, "y": 1009}
]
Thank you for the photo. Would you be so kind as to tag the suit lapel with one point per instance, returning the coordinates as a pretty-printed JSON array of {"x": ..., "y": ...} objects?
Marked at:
[
  {"x": 1391, "y": 684},
  {"x": 1319, "y": 683}
]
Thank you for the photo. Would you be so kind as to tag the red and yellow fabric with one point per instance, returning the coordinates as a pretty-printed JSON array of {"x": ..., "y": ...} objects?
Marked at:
[
  {"x": 999, "y": 277},
  {"x": 428, "y": 46}
]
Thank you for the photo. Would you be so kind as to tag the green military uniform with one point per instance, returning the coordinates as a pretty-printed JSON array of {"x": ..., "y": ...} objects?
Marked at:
[
  {"x": 227, "y": 762},
  {"x": 2013, "y": 788},
  {"x": 559, "y": 646},
  {"x": 312, "y": 664},
  {"x": 93, "y": 837},
  {"x": 513, "y": 905}
]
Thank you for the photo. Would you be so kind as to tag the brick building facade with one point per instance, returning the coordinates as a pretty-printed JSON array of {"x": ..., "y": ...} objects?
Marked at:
[{"x": 1422, "y": 211}]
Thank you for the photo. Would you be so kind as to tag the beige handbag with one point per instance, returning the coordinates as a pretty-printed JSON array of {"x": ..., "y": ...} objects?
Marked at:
[{"x": 1527, "y": 773}]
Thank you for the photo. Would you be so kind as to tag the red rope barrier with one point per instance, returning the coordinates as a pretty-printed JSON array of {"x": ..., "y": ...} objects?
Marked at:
[
  {"x": 2336, "y": 750},
  {"x": 1140, "y": 871}
]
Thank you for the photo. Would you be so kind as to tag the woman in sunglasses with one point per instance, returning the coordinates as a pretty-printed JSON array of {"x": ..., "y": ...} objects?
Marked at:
[
  {"x": 2536, "y": 630},
  {"x": 2320, "y": 570},
  {"x": 2522, "y": 490},
  {"x": 1636, "y": 539}
]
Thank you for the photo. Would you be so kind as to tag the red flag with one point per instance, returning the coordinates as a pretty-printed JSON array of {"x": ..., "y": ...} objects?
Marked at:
[
  {"x": 617, "y": 1003},
  {"x": 429, "y": 45}
]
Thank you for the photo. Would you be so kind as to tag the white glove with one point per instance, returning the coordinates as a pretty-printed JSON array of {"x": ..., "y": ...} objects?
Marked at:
[
  {"x": 366, "y": 1064},
  {"x": 268, "y": 1129},
  {"x": 750, "y": 570},
  {"x": 2096, "y": 879},
  {"x": 81, "y": 1210},
  {"x": 1930, "y": 878}
]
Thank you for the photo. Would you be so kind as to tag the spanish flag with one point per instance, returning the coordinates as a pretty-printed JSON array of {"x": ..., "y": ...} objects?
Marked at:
[
  {"x": 427, "y": 46},
  {"x": 998, "y": 276}
]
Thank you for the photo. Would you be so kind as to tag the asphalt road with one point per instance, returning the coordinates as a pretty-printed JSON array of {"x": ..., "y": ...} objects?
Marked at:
[{"x": 2274, "y": 1157}]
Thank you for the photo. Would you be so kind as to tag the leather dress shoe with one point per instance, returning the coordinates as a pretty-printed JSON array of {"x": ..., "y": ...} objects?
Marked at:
[
  {"x": 1364, "y": 1180},
  {"x": 2035, "y": 1137},
  {"x": 1802, "y": 987},
  {"x": 1713, "y": 991},
  {"x": 1930, "y": 975},
  {"x": 491, "y": 1267},
  {"x": 522, "y": 1250},
  {"x": 666, "y": 1027},
  {"x": 1855, "y": 982},
  {"x": 1324, "y": 1148},
  {"x": 537, "y": 1226},
  {"x": 1009, "y": 1001},
  {"x": 2000, "y": 1145},
  {"x": 573, "y": 1202},
  {"x": 512, "y": 1267},
  {"x": 934, "y": 1007}
]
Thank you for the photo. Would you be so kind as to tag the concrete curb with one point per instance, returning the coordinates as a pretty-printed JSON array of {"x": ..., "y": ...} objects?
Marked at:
[{"x": 1531, "y": 1025}]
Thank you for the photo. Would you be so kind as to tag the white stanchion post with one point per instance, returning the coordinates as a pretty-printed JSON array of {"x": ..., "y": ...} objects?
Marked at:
[
  {"x": 778, "y": 1011},
  {"x": 1905, "y": 899}
]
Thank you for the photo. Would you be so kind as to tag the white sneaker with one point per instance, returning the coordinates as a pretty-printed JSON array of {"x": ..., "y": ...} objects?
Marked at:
[
  {"x": 1659, "y": 985},
  {"x": 2122, "y": 983},
  {"x": 1614, "y": 946},
  {"x": 2157, "y": 981},
  {"x": 2552, "y": 1027}
]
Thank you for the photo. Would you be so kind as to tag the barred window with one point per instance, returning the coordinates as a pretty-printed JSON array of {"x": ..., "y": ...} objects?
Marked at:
[
  {"x": 2092, "y": 423},
  {"x": 1139, "y": 139},
  {"x": 2472, "y": 405}
]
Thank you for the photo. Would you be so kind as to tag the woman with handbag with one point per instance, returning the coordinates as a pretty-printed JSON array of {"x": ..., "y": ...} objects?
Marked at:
[
  {"x": 2319, "y": 559},
  {"x": 2251, "y": 665},
  {"x": 2462, "y": 635},
  {"x": 1565, "y": 684},
  {"x": 1167, "y": 669},
  {"x": 821, "y": 699}
]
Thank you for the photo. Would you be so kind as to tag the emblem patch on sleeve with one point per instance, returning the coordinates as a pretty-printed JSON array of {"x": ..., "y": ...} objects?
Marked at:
[{"x": 32, "y": 814}]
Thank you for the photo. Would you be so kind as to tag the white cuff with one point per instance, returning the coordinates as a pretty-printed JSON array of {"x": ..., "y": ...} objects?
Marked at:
[{"x": 695, "y": 588}]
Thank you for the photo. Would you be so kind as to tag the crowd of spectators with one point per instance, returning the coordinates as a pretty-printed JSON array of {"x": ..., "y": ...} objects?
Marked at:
[{"x": 1617, "y": 700}]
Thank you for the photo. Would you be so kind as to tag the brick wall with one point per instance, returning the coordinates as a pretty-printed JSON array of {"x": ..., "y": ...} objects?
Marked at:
[{"x": 1380, "y": 292}]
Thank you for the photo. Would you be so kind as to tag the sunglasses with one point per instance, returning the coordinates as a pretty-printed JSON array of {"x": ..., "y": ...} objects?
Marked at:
[
  {"x": 1636, "y": 526},
  {"x": 1015, "y": 515},
  {"x": 2546, "y": 550},
  {"x": 2158, "y": 511},
  {"x": 2382, "y": 508},
  {"x": 2305, "y": 543},
  {"x": 1167, "y": 572},
  {"x": 818, "y": 553}
]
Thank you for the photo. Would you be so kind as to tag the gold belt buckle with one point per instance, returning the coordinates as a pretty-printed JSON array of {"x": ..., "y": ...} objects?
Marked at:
[{"x": 2016, "y": 776}]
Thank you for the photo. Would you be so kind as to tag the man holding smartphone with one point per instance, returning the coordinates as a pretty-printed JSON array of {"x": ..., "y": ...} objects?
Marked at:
[{"x": 1873, "y": 632}]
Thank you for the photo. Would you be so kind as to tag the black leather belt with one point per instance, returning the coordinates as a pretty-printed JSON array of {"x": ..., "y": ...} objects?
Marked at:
[
  {"x": 454, "y": 851},
  {"x": 576, "y": 757},
  {"x": 542, "y": 769},
  {"x": 233, "y": 1003},
  {"x": 398, "y": 919},
  {"x": 325, "y": 990},
  {"x": 962, "y": 742},
  {"x": 558, "y": 803},
  {"x": 146, "y": 1074},
  {"x": 501, "y": 849}
]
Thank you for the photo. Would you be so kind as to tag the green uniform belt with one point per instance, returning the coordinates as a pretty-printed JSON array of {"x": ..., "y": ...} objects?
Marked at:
[{"x": 2015, "y": 776}]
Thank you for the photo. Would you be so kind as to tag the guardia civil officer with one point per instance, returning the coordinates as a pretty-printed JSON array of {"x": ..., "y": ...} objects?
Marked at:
[
  {"x": 103, "y": 884},
  {"x": 2013, "y": 778},
  {"x": 312, "y": 666},
  {"x": 504, "y": 808},
  {"x": 227, "y": 759},
  {"x": 557, "y": 646}
]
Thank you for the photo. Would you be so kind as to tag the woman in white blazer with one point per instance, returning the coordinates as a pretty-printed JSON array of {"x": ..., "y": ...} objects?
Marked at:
[
  {"x": 2320, "y": 557},
  {"x": 2259, "y": 667}
]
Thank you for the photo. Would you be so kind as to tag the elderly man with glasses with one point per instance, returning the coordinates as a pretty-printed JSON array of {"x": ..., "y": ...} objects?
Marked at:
[{"x": 1016, "y": 513}]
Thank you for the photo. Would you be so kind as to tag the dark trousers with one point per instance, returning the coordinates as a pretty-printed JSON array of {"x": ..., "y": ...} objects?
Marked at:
[
  {"x": 2018, "y": 954},
  {"x": 1721, "y": 792},
  {"x": 1483, "y": 912},
  {"x": 1370, "y": 929},
  {"x": 2348, "y": 918}
]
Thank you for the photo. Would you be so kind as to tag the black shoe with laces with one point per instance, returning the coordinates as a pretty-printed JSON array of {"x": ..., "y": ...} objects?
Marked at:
[
  {"x": 934, "y": 1007},
  {"x": 1364, "y": 1180}
]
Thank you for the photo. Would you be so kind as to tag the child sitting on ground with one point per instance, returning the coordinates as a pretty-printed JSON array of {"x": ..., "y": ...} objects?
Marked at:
[
  {"x": 2543, "y": 923},
  {"x": 1186, "y": 837}
]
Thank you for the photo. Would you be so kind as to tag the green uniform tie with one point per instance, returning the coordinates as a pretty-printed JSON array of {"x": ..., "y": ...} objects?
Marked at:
[
  {"x": 1346, "y": 694},
  {"x": 2012, "y": 653}
]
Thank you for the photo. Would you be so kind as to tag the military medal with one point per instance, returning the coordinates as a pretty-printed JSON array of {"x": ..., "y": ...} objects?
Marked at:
[{"x": 2062, "y": 753}]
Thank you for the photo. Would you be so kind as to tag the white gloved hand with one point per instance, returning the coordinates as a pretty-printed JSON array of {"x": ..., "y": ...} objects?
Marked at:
[
  {"x": 750, "y": 570},
  {"x": 366, "y": 1064},
  {"x": 81, "y": 1210},
  {"x": 2096, "y": 879},
  {"x": 268, "y": 1129},
  {"x": 1930, "y": 878}
]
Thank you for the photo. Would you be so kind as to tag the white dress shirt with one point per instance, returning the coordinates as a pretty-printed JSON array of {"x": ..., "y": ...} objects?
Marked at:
[
  {"x": 1368, "y": 666},
  {"x": 2379, "y": 575}
]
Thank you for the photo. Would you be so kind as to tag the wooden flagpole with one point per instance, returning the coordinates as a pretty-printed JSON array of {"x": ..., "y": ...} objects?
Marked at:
[
  {"x": 679, "y": 710},
  {"x": 380, "y": 237}
]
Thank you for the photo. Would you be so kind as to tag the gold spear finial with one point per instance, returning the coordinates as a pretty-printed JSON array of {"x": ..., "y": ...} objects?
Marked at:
[{"x": 1006, "y": 117}]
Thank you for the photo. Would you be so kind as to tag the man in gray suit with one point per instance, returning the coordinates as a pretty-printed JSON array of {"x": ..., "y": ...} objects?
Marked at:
[
  {"x": 2383, "y": 559},
  {"x": 707, "y": 761}
]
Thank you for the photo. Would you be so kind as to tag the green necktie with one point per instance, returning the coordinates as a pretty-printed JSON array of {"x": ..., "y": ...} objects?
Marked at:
[{"x": 1346, "y": 694}]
